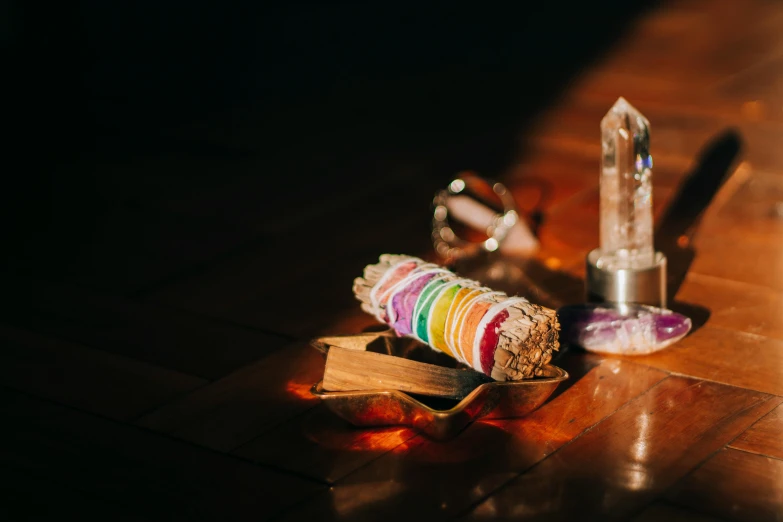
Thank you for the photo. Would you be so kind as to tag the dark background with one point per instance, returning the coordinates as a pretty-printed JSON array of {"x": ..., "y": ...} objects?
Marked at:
[{"x": 315, "y": 99}]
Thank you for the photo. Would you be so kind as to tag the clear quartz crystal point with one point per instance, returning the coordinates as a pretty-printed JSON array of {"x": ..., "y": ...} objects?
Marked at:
[{"x": 626, "y": 189}]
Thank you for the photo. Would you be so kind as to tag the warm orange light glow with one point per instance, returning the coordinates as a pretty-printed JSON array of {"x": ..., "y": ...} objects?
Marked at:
[
  {"x": 299, "y": 390},
  {"x": 348, "y": 438},
  {"x": 348, "y": 499},
  {"x": 553, "y": 263},
  {"x": 753, "y": 110}
]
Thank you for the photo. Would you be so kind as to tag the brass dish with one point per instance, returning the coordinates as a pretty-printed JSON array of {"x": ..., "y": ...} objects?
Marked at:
[{"x": 437, "y": 418}]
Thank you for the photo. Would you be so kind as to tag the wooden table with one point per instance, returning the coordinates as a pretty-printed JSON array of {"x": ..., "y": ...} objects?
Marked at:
[{"x": 166, "y": 380}]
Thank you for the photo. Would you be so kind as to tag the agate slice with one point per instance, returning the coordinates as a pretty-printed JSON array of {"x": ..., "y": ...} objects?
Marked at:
[{"x": 621, "y": 329}]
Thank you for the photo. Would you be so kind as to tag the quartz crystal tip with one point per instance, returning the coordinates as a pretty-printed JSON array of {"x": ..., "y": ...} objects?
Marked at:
[{"x": 626, "y": 227}]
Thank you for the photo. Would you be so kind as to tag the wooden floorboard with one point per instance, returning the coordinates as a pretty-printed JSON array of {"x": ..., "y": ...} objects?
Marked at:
[
  {"x": 243, "y": 405},
  {"x": 128, "y": 249},
  {"x": 437, "y": 480},
  {"x": 698, "y": 46},
  {"x": 242, "y": 290},
  {"x": 751, "y": 262},
  {"x": 321, "y": 445},
  {"x": 764, "y": 437},
  {"x": 734, "y": 305},
  {"x": 161, "y": 478},
  {"x": 664, "y": 512},
  {"x": 157, "y": 334},
  {"x": 751, "y": 207},
  {"x": 155, "y": 361},
  {"x": 22, "y": 499},
  {"x": 86, "y": 378},
  {"x": 735, "y": 485},
  {"x": 631, "y": 458},
  {"x": 737, "y": 358}
]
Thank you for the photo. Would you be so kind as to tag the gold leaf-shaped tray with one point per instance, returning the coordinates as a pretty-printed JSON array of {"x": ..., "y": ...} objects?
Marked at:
[{"x": 438, "y": 418}]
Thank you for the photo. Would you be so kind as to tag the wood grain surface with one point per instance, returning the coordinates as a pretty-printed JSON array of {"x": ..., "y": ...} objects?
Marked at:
[
  {"x": 735, "y": 485},
  {"x": 349, "y": 370},
  {"x": 764, "y": 436},
  {"x": 155, "y": 362}
]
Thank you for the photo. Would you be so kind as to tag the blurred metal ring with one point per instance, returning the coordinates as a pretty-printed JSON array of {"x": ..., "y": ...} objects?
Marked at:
[{"x": 447, "y": 244}]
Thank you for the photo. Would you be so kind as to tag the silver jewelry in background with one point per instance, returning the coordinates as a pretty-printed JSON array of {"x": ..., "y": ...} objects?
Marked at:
[{"x": 474, "y": 215}]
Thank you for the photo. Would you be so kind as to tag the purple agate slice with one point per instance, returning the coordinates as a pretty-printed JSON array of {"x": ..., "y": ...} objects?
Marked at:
[
  {"x": 404, "y": 301},
  {"x": 621, "y": 329}
]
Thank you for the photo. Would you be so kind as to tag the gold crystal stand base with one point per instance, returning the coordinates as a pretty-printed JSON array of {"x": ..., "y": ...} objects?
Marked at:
[{"x": 642, "y": 286}]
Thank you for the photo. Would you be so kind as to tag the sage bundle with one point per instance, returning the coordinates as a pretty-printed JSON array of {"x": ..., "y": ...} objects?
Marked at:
[{"x": 507, "y": 338}]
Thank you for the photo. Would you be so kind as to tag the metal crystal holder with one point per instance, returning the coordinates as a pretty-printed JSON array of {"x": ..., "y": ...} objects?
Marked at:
[
  {"x": 626, "y": 285},
  {"x": 626, "y": 268}
]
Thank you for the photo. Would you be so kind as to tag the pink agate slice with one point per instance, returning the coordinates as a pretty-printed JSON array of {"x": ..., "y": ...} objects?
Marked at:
[{"x": 621, "y": 329}]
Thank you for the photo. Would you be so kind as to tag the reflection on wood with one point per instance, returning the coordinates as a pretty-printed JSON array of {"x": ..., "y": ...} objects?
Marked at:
[
  {"x": 439, "y": 479},
  {"x": 633, "y": 456}
]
